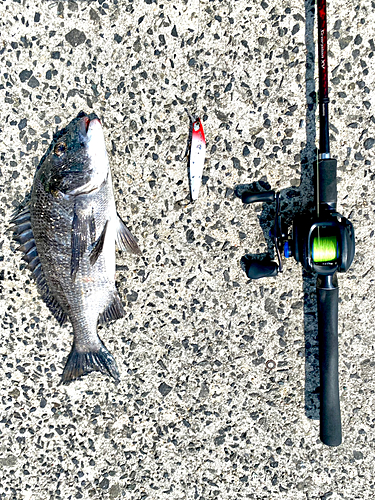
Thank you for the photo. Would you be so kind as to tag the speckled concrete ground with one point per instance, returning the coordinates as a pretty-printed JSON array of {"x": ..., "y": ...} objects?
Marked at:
[{"x": 197, "y": 415}]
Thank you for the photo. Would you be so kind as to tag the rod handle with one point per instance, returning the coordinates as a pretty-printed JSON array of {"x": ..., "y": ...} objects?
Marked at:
[
  {"x": 330, "y": 417},
  {"x": 327, "y": 181}
]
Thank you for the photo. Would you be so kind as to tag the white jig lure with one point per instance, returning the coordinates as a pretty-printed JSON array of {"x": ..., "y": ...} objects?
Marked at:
[{"x": 197, "y": 156}]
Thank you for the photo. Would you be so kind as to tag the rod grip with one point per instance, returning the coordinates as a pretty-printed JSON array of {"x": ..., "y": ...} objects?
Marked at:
[
  {"x": 327, "y": 181},
  {"x": 330, "y": 417}
]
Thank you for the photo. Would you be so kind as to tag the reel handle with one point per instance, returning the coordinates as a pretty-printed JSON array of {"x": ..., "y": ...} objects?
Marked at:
[
  {"x": 249, "y": 197},
  {"x": 256, "y": 269},
  {"x": 330, "y": 417}
]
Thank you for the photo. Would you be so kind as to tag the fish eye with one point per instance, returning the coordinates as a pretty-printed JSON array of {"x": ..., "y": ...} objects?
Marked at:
[{"x": 60, "y": 149}]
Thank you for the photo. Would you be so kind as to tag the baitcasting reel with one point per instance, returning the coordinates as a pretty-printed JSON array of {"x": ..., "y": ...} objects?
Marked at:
[{"x": 323, "y": 245}]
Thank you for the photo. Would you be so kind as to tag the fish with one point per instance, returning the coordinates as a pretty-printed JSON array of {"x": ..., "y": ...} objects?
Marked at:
[
  {"x": 197, "y": 157},
  {"x": 68, "y": 232}
]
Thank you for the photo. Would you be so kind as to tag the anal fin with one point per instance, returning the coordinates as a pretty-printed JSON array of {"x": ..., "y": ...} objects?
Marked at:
[{"x": 114, "y": 311}]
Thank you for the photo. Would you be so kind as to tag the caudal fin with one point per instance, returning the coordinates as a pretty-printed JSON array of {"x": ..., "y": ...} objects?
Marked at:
[{"x": 81, "y": 363}]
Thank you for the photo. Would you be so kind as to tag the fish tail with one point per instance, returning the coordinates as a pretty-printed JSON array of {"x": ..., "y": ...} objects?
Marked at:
[{"x": 83, "y": 362}]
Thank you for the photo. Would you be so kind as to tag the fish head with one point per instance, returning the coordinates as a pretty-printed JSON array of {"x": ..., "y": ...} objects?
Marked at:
[{"x": 76, "y": 162}]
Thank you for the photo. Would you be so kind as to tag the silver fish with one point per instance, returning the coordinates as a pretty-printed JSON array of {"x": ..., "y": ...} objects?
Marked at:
[{"x": 68, "y": 233}]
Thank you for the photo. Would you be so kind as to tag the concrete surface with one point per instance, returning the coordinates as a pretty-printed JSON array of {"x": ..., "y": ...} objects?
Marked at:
[{"x": 197, "y": 414}]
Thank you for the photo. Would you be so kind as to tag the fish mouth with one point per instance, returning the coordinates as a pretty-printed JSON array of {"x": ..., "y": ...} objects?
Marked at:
[
  {"x": 94, "y": 126},
  {"x": 91, "y": 130},
  {"x": 86, "y": 122}
]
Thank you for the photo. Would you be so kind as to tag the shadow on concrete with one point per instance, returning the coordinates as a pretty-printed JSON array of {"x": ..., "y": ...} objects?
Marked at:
[{"x": 296, "y": 201}]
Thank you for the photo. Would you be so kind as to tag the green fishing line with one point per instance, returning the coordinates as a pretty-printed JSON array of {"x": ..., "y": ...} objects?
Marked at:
[{"x": 324, "y": 249}]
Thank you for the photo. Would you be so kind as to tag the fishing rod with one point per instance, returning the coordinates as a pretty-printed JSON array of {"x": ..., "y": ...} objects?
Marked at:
[{"x": 323, "y": 243}]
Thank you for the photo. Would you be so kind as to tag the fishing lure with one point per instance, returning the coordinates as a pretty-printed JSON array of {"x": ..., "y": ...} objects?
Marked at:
[{"x": 197, "y": 156}]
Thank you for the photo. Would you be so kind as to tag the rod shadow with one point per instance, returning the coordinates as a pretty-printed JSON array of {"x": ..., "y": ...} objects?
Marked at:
[{"x": 295, "y": 201}]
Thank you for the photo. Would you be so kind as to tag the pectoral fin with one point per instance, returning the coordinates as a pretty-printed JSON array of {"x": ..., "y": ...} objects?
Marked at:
[
  {"x": 124, "y": 238},
  {"x": 92, "y": 227},
  {"x": 79, "y": 242},
  {"x": 98, "y": 246}
]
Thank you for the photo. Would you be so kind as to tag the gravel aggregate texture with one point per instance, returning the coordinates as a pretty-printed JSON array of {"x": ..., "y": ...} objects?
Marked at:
[{"x": 200, "y": 412}]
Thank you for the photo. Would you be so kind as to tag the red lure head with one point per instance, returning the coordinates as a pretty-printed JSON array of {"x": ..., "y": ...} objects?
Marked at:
[{"x": 198, "y": 130}]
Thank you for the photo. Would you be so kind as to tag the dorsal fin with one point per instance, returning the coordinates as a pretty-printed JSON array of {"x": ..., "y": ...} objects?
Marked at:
[
  {"x": 30, "y": 255},
  {"x": 24, "y": 235},
  {"x": 20, "y": 215},
  {"x": 22, "y": 226}
]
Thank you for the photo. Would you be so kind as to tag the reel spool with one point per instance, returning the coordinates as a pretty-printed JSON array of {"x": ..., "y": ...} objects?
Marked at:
[{"x": 325, "y": 249}]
